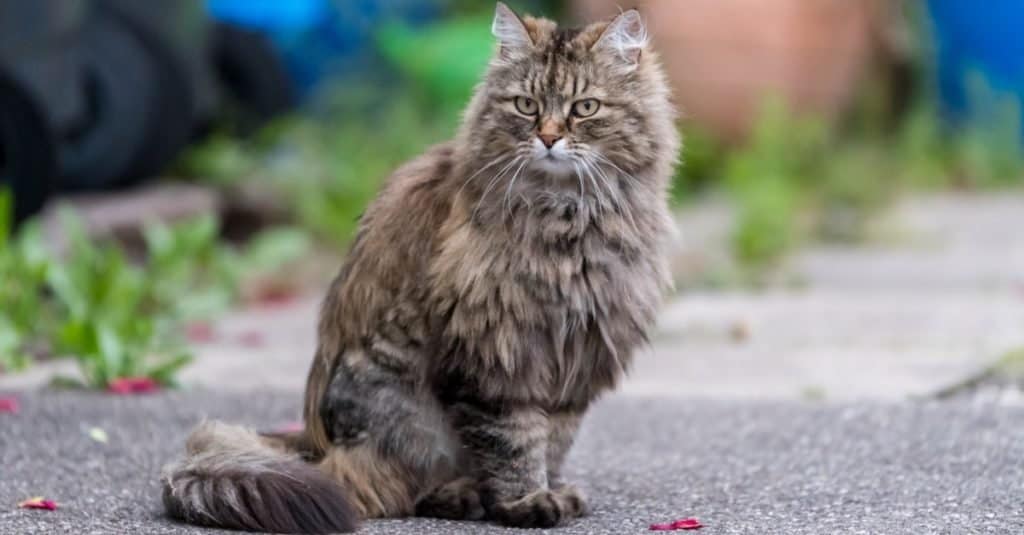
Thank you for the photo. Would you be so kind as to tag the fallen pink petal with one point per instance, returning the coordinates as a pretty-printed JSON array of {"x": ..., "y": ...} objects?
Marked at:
[
  {"x": 275, "y": 297},
  {"x": 683, "y": 524},
  {"x": 200, "y": 332},
  {"x": 688, "y": 523},
  {"x": 133, "y": 385},
  {"x": 38, "y": 502},
  {"x": 9, "y": 405},
  {"x": 252, "y": 339}
]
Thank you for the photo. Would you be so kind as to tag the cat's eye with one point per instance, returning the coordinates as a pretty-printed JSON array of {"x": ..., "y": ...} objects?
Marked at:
[
  {"x": 585, "y": 107},
  {"x": 526, "y": 106}
]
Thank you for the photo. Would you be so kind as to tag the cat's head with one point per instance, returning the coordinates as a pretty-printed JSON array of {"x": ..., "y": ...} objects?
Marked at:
[{"x": 570, "y": 101}]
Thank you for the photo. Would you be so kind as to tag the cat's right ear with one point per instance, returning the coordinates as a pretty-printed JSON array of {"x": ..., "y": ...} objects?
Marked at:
[{"x": 510, "y": 31}]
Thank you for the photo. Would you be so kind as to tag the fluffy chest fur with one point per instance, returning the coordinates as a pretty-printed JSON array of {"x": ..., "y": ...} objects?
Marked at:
[{"x": 547, "y": 305}]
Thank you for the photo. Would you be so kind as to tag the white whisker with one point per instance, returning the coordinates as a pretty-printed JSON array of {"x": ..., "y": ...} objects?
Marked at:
[
  {"x": 598, "y": 192},
  {"x": 627, "y": 214},
  {"x": 511, "y": 184},
  {"x": 590, "y": 168},
  {"x": 579, "y": 176},
  {"x": 492, "y": 163},
  {"x": 492, "y": 183}
]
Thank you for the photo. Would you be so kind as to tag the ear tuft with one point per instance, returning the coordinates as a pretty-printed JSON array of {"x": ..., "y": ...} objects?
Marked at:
[
  {"x": 509, "y": 28},
  {"x": 625, "y": 36}
]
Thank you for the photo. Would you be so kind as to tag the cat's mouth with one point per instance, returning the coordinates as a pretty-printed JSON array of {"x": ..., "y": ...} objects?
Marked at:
[
  {"x": 553, "y": 160},
  {"x": 553, "y": 164}
]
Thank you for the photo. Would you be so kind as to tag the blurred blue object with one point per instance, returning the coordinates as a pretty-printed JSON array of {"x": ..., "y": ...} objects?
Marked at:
[
  {"x": 270, "y": 14},
  {"x": 323, "y": 39},
  {"x": 978, "y": 39}
]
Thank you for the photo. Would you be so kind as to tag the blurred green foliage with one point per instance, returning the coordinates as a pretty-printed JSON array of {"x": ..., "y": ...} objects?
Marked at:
[
  {"x": 795, "y": 179},
  {"x": 325, "y": 171},
  {"x": 118, "y": 317},
  {"x": 448, "y": 61}
]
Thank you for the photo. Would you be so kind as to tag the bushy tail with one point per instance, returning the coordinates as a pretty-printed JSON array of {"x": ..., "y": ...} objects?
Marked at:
[{"x": 231, "y": 478}]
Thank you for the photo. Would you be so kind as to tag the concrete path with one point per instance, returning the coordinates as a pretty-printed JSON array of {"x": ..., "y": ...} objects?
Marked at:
[
  {"x": 740, "y": 467},
  {"x": 715, "y": 422},
  {"x": 934, "y": 303}
]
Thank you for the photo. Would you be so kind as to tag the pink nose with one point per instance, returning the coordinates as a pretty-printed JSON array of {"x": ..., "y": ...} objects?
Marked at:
[{"x": 549, "y": 140}]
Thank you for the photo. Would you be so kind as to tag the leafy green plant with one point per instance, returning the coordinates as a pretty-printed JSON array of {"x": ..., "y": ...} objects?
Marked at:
[
  {"x": 444, "y": 60},
  {"x": 701, "y": 162},
  {"x": 325, "y": 171},
  {"x": 118, "y": 317},
  {"x": 768, "y": 179},
  {"x": 23, "y": 265},
  {"x": 989, "y": 149},
  {"x": 189, "y": 273}
]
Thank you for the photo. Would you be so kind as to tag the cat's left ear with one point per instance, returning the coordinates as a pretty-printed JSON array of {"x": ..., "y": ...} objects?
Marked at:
[
  {"x": 625, "y": 37},
  {"x": 510, "y": 30}
]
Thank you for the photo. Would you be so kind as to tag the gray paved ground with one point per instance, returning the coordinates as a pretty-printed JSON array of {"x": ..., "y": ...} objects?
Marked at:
[
  {"x": 764, "y": 468},
  {"x": 937, "y": 301}
]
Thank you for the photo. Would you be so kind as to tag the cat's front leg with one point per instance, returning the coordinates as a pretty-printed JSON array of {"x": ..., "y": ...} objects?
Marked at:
[
  {"x": 562, "y": 429},
  {"x": 509, "y": 452}
]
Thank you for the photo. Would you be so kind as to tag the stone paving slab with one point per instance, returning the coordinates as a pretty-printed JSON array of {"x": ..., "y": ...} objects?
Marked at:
[{"x": 838, "y": 344}]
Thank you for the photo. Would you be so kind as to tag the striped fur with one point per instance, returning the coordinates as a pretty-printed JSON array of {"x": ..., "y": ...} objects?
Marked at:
[
  {"x": 495, "y": 289},
  {"x": 232, "y": 479}
]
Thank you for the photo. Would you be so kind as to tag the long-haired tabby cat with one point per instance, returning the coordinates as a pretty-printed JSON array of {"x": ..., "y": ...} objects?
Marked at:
[{"x": 497, "y": 286}]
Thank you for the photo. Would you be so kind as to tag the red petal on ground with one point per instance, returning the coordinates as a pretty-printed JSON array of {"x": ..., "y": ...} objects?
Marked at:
[
  {"x": 132, "y": 385},
  {"x": 688, "y": 523},
  {"x": 38, "y": 503},
  {"x": 275, "y": 296},
  {"x": 200, "y": 332},
  {"x": 9, "y": 405},
  {"x": 684, "y": 524},
  {"x": 252, "y": 339}
]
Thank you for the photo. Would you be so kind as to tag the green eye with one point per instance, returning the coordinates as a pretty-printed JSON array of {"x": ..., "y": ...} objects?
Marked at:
[
  {"x": 586, "y": 107},
  {"x": 526, "y": 105}
]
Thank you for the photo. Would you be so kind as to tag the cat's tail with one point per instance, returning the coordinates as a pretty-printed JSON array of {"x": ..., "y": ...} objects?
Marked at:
[{"x": 234, "y": 478}]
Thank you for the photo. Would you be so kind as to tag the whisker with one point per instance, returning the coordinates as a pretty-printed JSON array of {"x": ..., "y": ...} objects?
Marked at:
[
  {"x": 579, "y": 176},
  {"x": 492, "y": 163},
  {"x": 511, "y": 184},
  {"x": 491, "y": 184},
  {"x": 598, "y": 192},
  {"x": 590, "y": 168},
  {"x": 604, "y": 159},
  {"x": 627, "y": 214}
]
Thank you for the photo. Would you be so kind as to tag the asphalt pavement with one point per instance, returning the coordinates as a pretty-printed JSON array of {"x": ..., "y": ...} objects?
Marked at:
[{"x": 740, "y": 467}]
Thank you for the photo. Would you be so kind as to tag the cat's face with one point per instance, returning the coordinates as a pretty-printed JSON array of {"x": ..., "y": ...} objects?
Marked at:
[{"x": 571, "y": 103}]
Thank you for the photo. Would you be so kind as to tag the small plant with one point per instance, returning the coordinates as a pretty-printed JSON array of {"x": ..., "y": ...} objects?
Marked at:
[
  {"x": 768, "y": 180},
  {"x": 118, "y": 318},
  {"x": 324, "y": 172},
  {"x": 23, "y": 270}
]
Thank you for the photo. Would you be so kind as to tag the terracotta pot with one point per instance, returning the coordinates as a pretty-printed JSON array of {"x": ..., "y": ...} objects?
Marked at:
[{"x": 725, "y": 57}]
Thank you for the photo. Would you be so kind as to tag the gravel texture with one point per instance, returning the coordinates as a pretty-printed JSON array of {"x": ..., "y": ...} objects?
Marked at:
[{"x": 740, "y": 467}]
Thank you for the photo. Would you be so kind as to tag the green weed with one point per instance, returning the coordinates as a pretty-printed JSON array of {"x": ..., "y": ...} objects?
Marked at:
[{"x": 118, "y": 317}]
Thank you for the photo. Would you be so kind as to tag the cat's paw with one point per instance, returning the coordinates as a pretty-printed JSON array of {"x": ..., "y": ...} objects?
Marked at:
[
  {"x": 543, "y": 508},
  {"x": 455, "y": 500},
  {"x": 575, "y": 499}
]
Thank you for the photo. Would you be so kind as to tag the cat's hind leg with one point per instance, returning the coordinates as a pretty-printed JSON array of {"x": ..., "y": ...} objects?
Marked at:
[{"x": 390, "y": 440}]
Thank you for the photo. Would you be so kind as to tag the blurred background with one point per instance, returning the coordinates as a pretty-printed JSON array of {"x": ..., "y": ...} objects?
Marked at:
[{"x": 181, "y": 177}]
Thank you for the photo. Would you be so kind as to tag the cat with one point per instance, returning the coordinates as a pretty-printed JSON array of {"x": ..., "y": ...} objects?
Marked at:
[{"x": 496, "y": 287}]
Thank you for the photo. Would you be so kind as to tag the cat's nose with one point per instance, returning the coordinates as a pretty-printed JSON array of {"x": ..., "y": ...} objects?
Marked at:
[{"x": 549, "y": 140}]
